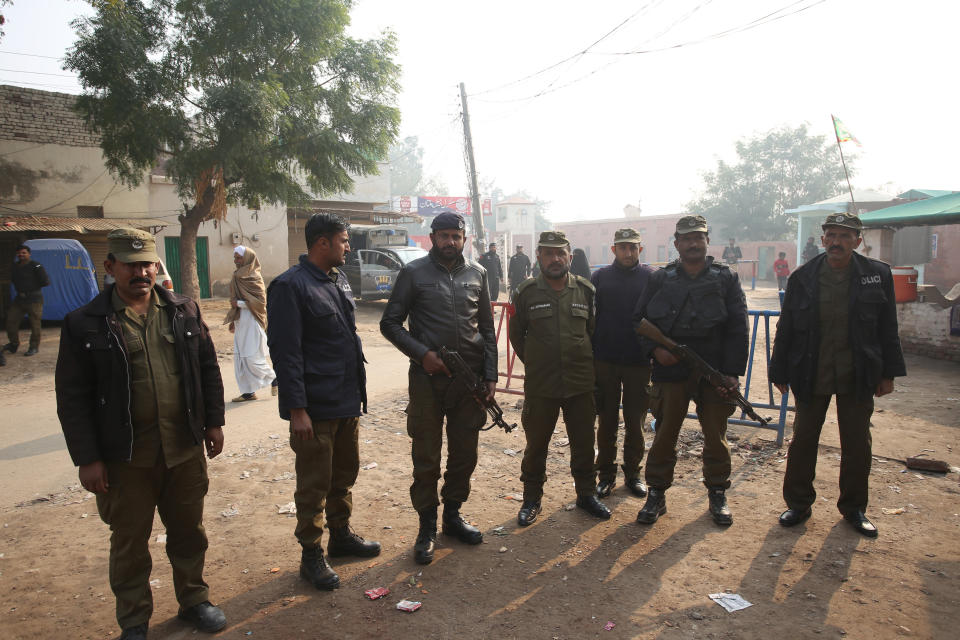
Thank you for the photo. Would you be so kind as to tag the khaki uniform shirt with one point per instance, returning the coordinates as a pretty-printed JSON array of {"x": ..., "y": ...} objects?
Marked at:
[
  {"x": 550, "y": 332},
  {"x": 156, "y": 386},
  {"x": 835, "y": 374}
]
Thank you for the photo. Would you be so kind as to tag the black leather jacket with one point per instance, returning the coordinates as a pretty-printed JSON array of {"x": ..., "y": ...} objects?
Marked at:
[
  {"x": 93, "y": 378},
  {"x": 874, "y": 337},
  {"x": 446, "y": 308}
]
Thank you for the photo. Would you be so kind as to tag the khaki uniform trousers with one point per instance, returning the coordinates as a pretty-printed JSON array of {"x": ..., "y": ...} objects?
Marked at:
[
  {"x": 327, "y": 466},
  {"x": 670, "y": 402},
  {"x": 128, "y": 506},
  {"x": 539, "y": 419},
  {"x": 33, "y": 311},
  {"x": 433, "y": 398},
  {"x": 853, "y": 419},
  {"x": 630, "y": 382}
]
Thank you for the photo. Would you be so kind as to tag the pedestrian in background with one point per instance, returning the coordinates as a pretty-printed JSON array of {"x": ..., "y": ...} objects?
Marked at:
[
  {"x": 28, "y": 279},
  {"x": 247, "y": 319},
  {"x": 579, "y": 266},
  {"x": 837, "y": 336},
  {"x": 139, "y": 394},
  {"x": 810, "y": 251},
  {"x": 782, "y": 270},
  {"x": 313, "y": 340},
  {"x": 622, "y": 368},
  {"x": 518, "y": 269},
  {"x": 732, "y": 253},
  {"x": 491, "y": 262}
]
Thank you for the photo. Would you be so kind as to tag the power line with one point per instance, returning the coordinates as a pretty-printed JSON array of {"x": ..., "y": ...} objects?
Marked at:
[
  {"x": 38, "y": 84},
  {"x": 578, "y": 54},
  {"x": 41, "y": 73},
  {"x": 32, "y": 55},
  {"x": 757, "y": 22}
]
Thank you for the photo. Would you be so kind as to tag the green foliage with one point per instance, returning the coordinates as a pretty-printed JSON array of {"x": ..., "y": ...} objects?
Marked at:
[
  {"x": 781, "y": 170},
  {"x": 271, "y": 92}
]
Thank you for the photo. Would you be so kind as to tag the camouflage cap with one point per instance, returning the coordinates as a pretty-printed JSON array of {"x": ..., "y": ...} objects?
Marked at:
[
  {"x": 132, "y": 245},
  {"x": 689, "y": 224},
  {"x": 843, "y": 220},
  {"x": 626, "y": 235},
  {"x": 553, "y": 239}
]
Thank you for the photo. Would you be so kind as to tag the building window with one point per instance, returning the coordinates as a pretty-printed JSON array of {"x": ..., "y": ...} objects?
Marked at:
[
  {"x": 934, "y": 239},
  {"x": 89, "y": 212}
]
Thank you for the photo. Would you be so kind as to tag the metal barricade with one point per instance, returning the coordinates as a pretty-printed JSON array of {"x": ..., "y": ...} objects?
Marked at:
[
  {"x": 503, "y": 329},
  {"x": 784, "y": 404},
  {"x": 504, "y": 310}
]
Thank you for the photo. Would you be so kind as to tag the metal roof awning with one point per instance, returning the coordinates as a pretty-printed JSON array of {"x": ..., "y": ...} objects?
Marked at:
[
  {"x": 15, "y": 224},
  {"x": 931, "y": 211}
]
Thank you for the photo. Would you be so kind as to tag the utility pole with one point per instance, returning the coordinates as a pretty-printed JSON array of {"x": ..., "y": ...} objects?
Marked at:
[{"x": 479, "y": 237}]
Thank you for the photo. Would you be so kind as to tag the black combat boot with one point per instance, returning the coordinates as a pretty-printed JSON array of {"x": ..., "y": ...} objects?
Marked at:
[
  {"x": 315, "y": 570},
  {"x": 454, "y": 525},
  {"x": 426, "y": 538},
  {"x": 344, "y": 542},
  {"x": 718, "y": 507},
  {"x": 655, "y": 506}
]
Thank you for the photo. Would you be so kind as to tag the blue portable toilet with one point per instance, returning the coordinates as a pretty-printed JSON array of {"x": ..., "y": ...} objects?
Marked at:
[{"x": 73, "y": 279}]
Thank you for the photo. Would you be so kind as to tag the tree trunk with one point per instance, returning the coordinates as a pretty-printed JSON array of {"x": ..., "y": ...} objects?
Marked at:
[
  {"x": 189, "y": 225},
  {"x": 189, "y": 282}
]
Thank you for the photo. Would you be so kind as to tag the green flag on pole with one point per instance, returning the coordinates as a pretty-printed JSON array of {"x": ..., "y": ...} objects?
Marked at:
[{"x": 843, "y": 135}]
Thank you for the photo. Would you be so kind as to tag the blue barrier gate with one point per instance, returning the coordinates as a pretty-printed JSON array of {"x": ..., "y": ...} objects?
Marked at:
[{"x": 781, "y": 422}]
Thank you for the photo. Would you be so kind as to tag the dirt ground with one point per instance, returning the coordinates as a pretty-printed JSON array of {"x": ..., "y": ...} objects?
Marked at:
[{"x": 567, "y": 576}]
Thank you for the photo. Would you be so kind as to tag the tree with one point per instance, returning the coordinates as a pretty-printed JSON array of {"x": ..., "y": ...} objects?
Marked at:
[
  {"x": 778, "y": 171},
  {"x": 406, "y": 171},
  {"x": 243, "y": 100},
  {"x": 3, "y": 20}
]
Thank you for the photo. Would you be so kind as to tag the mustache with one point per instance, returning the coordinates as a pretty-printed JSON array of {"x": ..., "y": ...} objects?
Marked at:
[{"x": 136, "y": 280}]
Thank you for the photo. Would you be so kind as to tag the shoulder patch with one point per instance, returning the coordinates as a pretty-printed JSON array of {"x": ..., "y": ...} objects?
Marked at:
[
  {"x": 526, "y": 284},
  {"x": 586, "y": 283}
]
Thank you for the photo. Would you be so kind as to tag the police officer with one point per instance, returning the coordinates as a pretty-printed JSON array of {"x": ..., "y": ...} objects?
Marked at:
[
  {"x": 28, "y": 279},
  {"x": 138, "y": 395},
  {"x": 518, "y": 269},
  {"x": 550, "y": 332},
  {"x": 447, "y": 300},
  {"x": 837, "y": 336},
  {"x": 700, "y": 304},
  {"x": 491, "y": 262},
  {"x": 622, "y": 368},
  {"x": 318, "y": 357}
]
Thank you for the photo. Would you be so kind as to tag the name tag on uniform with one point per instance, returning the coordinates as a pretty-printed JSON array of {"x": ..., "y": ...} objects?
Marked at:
[
  {"x": 543, "y": 305},
  {"x": 579, "y": 305},
  {"x": 874, "y": 279}
]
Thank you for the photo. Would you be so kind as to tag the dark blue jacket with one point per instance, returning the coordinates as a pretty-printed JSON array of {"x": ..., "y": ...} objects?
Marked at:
[
  {"x": 313, "y": 341},
  {"x": 618, "y": 291}
]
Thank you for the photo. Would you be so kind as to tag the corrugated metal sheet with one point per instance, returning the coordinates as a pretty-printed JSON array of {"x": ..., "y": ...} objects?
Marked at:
[{"x": 15, "y": 224}]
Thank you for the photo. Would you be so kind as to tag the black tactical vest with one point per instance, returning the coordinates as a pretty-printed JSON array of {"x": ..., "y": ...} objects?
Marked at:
[{"x": 685, "y": 307}]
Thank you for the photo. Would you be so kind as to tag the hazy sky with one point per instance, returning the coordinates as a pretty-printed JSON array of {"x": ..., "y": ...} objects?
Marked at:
[{"x": 602, "y": 130}]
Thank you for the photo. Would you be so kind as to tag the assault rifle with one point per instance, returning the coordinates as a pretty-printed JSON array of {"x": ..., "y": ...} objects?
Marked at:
[
  {"x": 703, "y": 370},
  {"x": 475, "y": 387}
]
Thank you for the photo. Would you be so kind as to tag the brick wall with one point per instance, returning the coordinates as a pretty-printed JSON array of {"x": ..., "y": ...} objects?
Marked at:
[
  {"x": 42, "y": 117},
  {"x": 925, "y": 331}
]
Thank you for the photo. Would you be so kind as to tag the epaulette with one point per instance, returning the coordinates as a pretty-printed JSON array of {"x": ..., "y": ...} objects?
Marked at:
[
  {"x": 526, "y": 284},
  {"x": 586, "y": 283}
]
